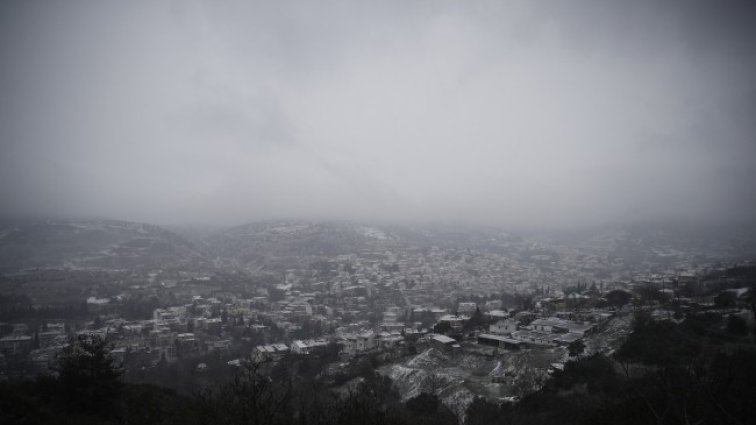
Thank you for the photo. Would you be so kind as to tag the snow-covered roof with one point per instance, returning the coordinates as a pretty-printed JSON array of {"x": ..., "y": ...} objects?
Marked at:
[
  {"x": 443, "y": 339},
  {"x": 500, "y": 338}
]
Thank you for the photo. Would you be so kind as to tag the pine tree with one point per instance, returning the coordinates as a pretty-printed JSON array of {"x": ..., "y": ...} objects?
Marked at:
[{"x": 88, "y": 376}]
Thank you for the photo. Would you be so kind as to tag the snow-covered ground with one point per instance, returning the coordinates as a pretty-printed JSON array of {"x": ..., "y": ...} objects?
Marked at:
[
  {"x": 372, "y": 232},
  {"x": 611, "y": 336},
  {"x": 458, "y": 379}
]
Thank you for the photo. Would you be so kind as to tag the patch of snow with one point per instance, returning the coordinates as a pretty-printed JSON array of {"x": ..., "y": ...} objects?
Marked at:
[
  {"x": 98, "y": 301},
  {"x": 372, "y": 232}
]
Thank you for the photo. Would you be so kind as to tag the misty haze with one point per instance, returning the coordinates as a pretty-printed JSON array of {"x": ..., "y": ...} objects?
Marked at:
[{"x": 378, "y": 212}]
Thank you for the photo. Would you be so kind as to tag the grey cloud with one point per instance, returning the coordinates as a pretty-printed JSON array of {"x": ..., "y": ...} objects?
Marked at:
[{"x": 511, "y": 113}]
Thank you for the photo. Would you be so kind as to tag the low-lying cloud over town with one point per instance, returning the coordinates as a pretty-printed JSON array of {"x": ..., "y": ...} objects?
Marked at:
[{"x": 511, "y": 113}]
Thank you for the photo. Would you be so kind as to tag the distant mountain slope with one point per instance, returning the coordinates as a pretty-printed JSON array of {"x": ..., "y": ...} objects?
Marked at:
[
  {"x": 92, "y": 244},
  {"x": 108, "y": 244},
  {"x": 665, "y": 241},
  {"x": 257, "y": 241}
]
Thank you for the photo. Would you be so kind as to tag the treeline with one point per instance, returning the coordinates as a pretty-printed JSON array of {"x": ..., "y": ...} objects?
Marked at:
[
  {"x": 19, "y": 307},
  {"x": 88, "y": 389}
]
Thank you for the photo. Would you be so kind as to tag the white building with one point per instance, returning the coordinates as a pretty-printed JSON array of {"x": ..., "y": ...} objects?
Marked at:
[
  {"x": 467, "y": 308},
  {"x": 503, "y": 327}
]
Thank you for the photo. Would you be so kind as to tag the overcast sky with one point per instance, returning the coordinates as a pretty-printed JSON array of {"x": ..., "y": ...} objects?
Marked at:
[{"x": 511, "y": 113}]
